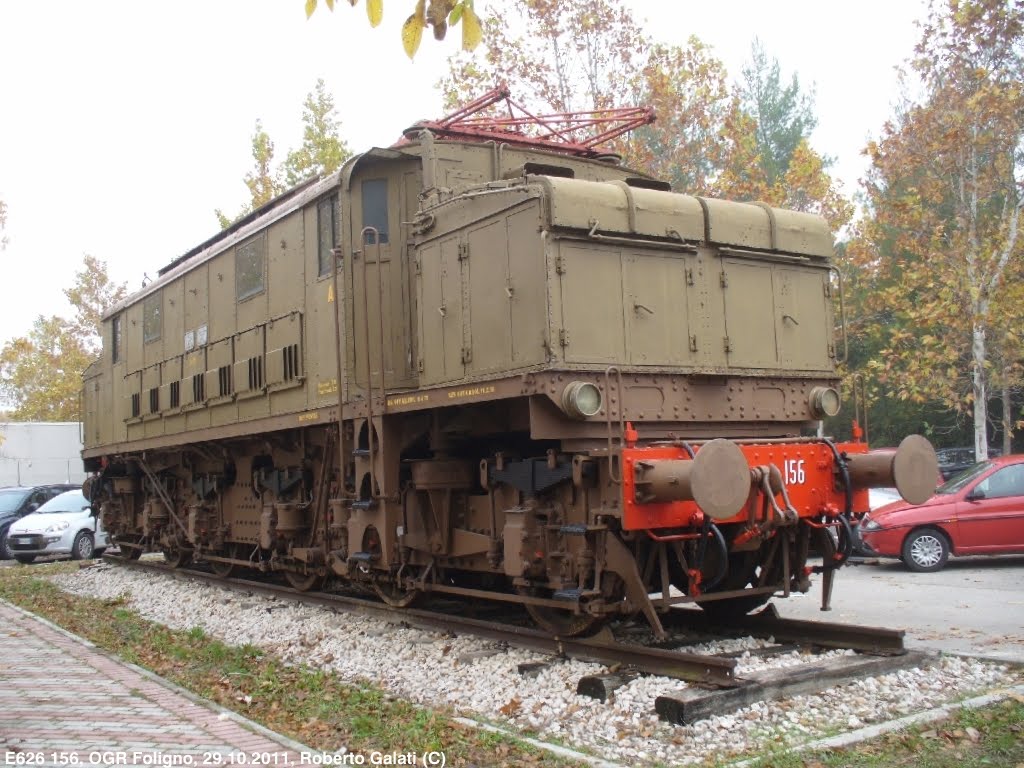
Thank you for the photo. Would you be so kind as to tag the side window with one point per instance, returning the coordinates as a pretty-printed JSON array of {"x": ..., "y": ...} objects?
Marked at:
[
  {"x": 115, "y": 339},
  {"x": 375, "y": 207},
  {"x": 249, "y": 266},
  {"x": 327, "y": 228},
  {"x": 1008, "y": 481},
  {"x": 151, "y": 317}
]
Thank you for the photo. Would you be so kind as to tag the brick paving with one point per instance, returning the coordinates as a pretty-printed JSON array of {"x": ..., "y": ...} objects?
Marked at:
[{"x": 65, "y": 702}]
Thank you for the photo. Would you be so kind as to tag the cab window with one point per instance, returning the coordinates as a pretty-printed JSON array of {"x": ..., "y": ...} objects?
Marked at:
[
  {"x": 249, "y": 258},
  {"x": 327, "y": 228},
  {"x": 375, "y": 208},
  {"x": 151, "y": 317},
  {"x": 115, "y": 339}
]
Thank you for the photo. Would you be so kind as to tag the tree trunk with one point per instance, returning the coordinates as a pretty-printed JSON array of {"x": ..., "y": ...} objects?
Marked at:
[
  {"x": 1007, "y": 413},
  {"x": 980, "y": 390}
]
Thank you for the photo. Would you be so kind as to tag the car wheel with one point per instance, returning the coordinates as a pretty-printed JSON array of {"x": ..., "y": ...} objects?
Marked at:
[
  {"x": 82, "y": 548},
  {"x": 25, "y": 559},
  {"x": 925, "y": 550},
  {"x": 5, "y": 551}
]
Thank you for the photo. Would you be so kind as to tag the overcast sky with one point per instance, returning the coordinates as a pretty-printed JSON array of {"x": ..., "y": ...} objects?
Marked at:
[{"x": 123, "y": 125}]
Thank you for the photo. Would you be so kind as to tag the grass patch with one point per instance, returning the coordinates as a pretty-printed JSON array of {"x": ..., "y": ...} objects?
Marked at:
[
  {"x": 991, "y": 737},
  {"x": 308, "y": 705}
]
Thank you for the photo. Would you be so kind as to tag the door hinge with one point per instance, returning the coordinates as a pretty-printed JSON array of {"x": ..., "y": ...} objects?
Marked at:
[
  {"x": 559, "y": 265},
  {"x": 693, "y": 342},
  {"x": 723, "y": 279},
  {"x": 463, "y": 251},
  {"x": 689, "y": 275},
  {"x": 467, "y": 355},
  {"x": 832, "y": 351},
  {"x": 418, "y": 267},
  {"x": 728, "y": 346},
  {"x": 419, "y": 365},
  {"x": 563, "y": 337},
  {"x": 828, "y": 289}
]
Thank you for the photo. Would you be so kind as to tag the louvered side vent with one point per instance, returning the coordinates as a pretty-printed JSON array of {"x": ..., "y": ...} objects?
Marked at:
[
  {"x": 224, "y": 380},
  {"x": 154, "y": 400},
  {"x": 291, "y": 362},
  {"x": 198, "y": 388},
  {"x": 255, "y": 373},
  {"x": 136, "y": 405},
  {"x": 175, "y": 394}
]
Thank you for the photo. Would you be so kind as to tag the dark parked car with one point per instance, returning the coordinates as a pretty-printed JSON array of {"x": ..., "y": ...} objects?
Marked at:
[
  {"x": 977, "y": 512},
  {"x": 17, "y": 502},
  {"x": 953, "y": 461}
]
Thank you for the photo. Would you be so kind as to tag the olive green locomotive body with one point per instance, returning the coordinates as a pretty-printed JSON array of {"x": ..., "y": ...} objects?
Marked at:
[{"x": 487, "y": 369}]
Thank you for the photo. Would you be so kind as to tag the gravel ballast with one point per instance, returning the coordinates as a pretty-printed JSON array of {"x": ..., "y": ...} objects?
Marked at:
[{"x": 479, "y": 679}]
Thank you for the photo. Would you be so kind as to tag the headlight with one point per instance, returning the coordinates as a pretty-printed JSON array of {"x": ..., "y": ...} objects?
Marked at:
[
  {"x": 869, "y": 525},
  {"x": 58, "y": 527},
  {"x": 581, "y": 399},
  {"x": 824, "y": 401}
]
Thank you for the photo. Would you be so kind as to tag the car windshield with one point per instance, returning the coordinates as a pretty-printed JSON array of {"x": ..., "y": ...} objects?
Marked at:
[
  {"x": 963, "y": 477},
  {"x": 11, "y": 500},
  {"x": 71, "y": 501}
]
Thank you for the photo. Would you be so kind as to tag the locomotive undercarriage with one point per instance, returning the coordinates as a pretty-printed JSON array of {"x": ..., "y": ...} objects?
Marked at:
[{"x": 434, "y": 503}]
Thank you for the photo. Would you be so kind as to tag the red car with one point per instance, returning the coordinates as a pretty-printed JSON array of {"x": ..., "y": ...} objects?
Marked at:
[{"x": 978, "y": 512}]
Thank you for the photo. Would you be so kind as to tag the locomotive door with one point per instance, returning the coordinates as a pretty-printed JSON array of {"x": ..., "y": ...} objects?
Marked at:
[{"x": 380, "y": 288}]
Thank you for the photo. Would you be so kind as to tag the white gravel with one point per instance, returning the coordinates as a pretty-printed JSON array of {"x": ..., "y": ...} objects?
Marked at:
[{"x": 441, "y": 670}]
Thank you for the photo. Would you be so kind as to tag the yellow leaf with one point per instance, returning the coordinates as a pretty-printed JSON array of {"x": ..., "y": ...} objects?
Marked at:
[
  {"x": 330, "y": 5},
  {"x": 310, "y": 7},
  {"x": 375, "y": 11},
  {"x": 412, "y": 30},
  {"x": 456, "y": 14},
  {"x": 471, "y": 33}
]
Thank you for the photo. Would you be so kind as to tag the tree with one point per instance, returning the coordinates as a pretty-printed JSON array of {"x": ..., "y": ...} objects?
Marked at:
[
  {"x": 591, "y": 55},
  {"x": 437, "y": 14},
  {"x": 322, "y": 151},
  {"x": 556, "y": 55},
  {"x": 766, "y": 154},
  {"x": 784, "y": 114},
  {"x": 41, "y": 373},
  {"x": 945, "y": 189},
  {"x": 263, "y": 182}
]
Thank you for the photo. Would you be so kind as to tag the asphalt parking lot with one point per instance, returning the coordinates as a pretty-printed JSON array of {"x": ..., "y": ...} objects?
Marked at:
[{"x": 973, "y": 606}]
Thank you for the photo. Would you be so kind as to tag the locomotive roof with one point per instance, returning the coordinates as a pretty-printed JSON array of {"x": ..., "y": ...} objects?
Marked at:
[{"x": 282, "y": 205}]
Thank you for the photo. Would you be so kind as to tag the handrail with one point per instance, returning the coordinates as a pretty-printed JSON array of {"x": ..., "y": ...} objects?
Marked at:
[
  {"x": 608, "y": 418},
  {"x": 366, "y": 336},
  {"x": 338, "y": 351},
  {"x": 842, "y": 316}
]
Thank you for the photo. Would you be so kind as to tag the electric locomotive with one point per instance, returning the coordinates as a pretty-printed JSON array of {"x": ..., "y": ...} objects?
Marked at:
[{"x": 497, "y": 364}]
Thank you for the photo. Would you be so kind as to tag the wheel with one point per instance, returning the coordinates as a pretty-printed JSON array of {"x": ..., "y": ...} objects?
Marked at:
[
  {"x": 561, "y": 623},
  {"x": 5, "y": 551},
  {"x": 82, "y": 548},
  {"x": 127, "y": 552},
  {"x": 221, "y": 569},
  {"x": 177, "y": 557},
  {"x": 303, "y": 582},
  {"x": 395, "y": 596},
  {"x": 25, "y": 559},
  {"x": 925, "y": 550}
]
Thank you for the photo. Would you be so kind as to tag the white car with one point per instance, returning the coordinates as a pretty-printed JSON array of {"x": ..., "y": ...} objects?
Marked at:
[{"x": 62, "y": 526}]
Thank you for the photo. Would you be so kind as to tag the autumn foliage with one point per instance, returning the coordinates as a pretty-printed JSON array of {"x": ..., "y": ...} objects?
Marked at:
[{"x": 940, "y": 248}]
